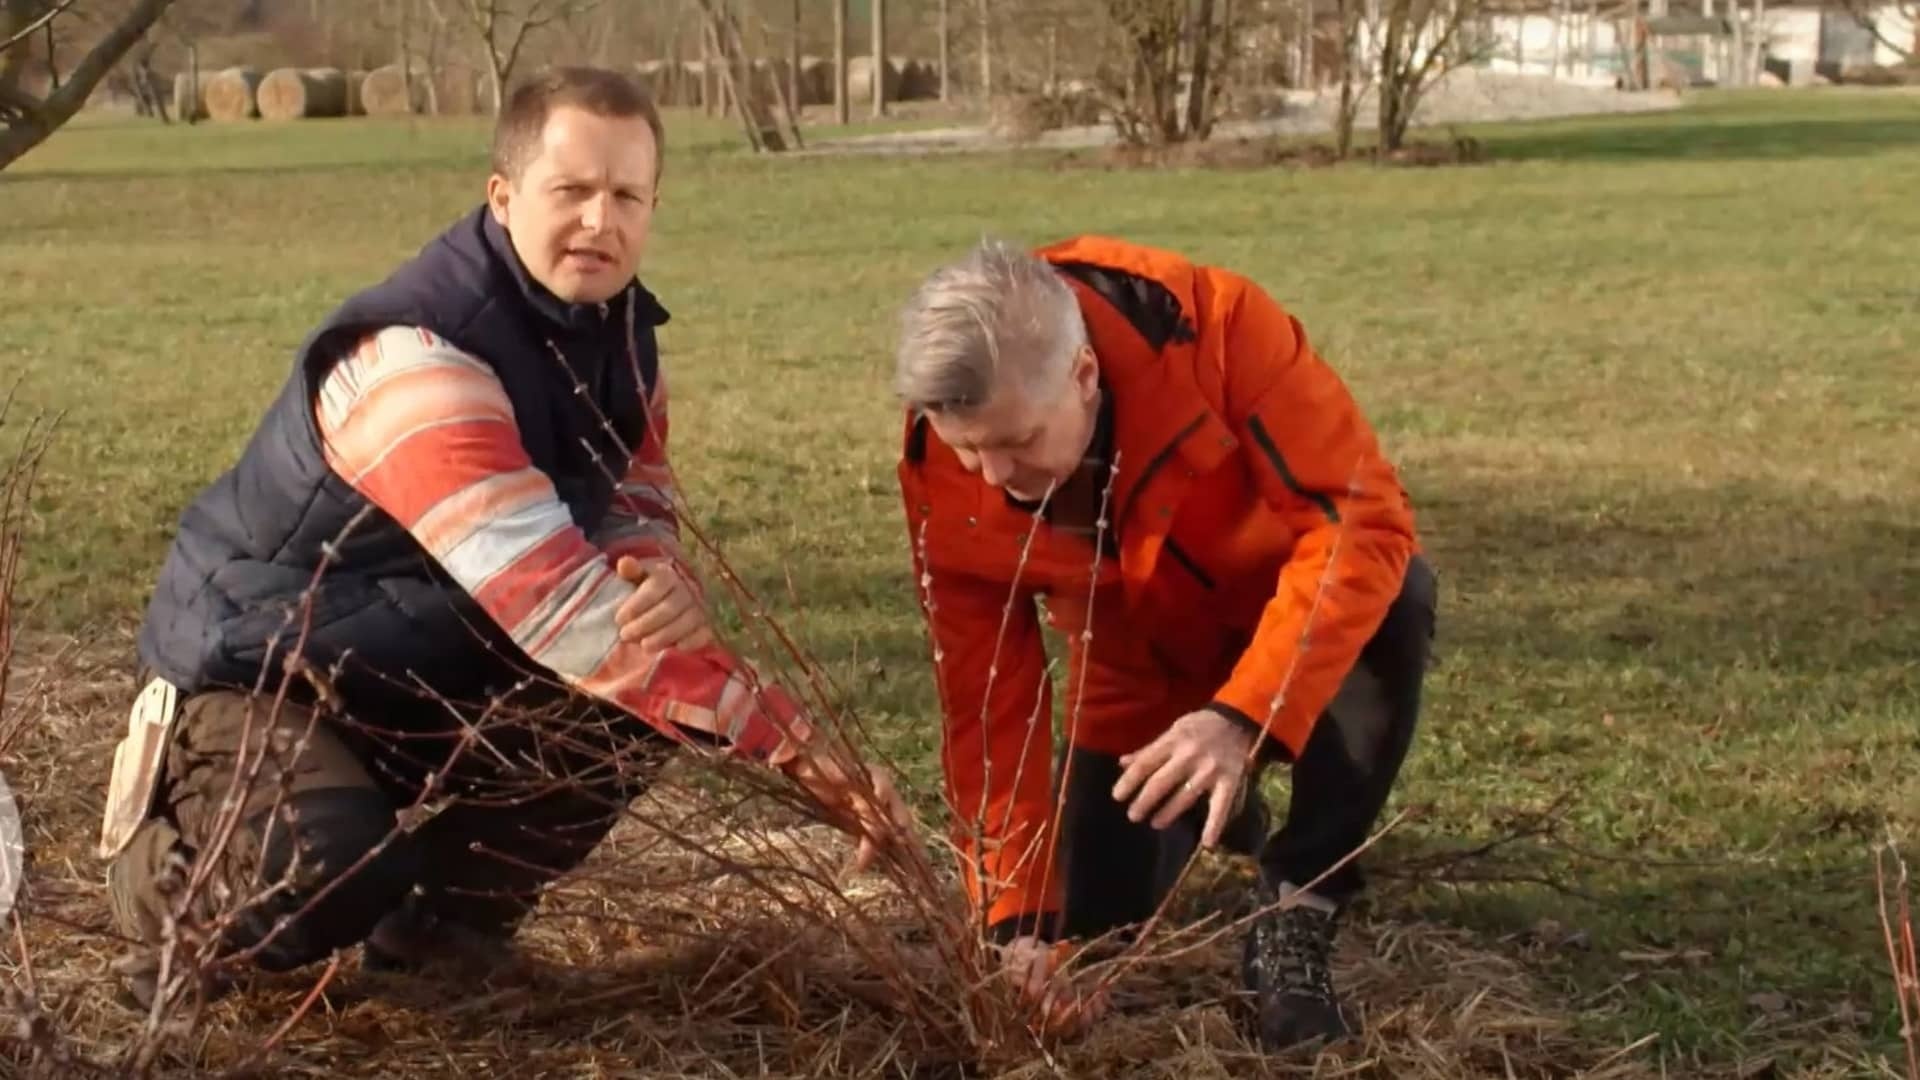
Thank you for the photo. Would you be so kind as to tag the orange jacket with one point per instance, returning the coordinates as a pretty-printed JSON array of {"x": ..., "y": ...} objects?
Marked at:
[{"x": 1262, "y": 537}]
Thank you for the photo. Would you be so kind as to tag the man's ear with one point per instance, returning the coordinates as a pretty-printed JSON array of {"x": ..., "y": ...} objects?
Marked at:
[
  {"x": 499, "y": 193},
  {"x": 1086, "y": 373}
]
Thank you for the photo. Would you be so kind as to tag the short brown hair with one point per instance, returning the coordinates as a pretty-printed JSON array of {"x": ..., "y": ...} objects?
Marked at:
[{"x": 523, "y": 116}]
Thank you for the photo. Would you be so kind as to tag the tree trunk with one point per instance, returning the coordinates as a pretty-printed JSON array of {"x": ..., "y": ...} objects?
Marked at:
[
  {"x": 1349, "y": 62},
  {"x": 793, "y": 69},
  {"x": 986, "y": 55},
  {"x": 1199, "y": 111},
  {"x": 879, "y": 58},
  {"x": 402, "y": 28},
  {"x": 842, "y": 108},
  {"x": 43, "y": 118},
  {"x": 1053, "y": 58},
  {"x": 946, "y": 50},
  {"x": 53, "y": 56},
  {"x": 1394, "y": 71},
  {"x": 736, "y": 74},
  {"x": 1304, "y": 72}
]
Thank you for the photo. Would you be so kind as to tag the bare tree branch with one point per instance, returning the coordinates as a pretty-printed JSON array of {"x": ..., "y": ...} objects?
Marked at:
[
  {"x": 1863, "y": 14},
  {"x": 31, "y": 28},
  {"x": 34, "y": 121}
]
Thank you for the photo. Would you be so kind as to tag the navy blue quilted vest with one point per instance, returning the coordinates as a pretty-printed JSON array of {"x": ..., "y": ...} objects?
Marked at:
[{"x": 243, "y": 576}]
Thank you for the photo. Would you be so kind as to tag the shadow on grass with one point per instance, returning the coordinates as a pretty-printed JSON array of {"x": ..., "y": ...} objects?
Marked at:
[
  {"x": 1705, "y": 576},
  {"x": 1742, "y": 134},
  {"x": 1718, "y": 681}
]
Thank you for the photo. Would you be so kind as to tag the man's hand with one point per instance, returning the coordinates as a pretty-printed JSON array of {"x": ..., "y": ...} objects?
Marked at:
[
  {"x": 877, "y": 815},
  {"x": 664, "y": 612},
  {"x": 1203, "y": 753},
  {"x": 1029, "y": 964}
]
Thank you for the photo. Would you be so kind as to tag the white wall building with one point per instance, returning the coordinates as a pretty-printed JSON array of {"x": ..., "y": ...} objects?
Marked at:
[{"x": 1587, "y": 43}]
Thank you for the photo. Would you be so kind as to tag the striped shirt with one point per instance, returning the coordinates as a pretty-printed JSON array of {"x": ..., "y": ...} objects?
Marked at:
[{"x": 426, "y": 432}]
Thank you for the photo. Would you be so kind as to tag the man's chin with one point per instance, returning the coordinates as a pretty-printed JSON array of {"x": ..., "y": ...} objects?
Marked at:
[{"x": 588, "y": 289}]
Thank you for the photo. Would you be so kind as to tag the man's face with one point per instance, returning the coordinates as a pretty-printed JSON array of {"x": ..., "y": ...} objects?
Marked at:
[
  {"x": 1024, "y": 441},
  {"x": 581, "y": 207}
]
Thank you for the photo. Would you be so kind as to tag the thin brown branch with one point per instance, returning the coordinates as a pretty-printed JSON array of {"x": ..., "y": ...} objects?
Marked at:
[{"x": 33, "y": 27}]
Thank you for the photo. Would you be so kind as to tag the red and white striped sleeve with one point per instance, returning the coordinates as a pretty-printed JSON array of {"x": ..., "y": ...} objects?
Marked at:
[
  {"x": 426, "y": 433},
  {"x": 643, "y": 522}
]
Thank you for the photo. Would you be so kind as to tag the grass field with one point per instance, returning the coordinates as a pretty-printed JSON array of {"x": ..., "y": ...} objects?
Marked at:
[{"x": 1651, "y": 381}]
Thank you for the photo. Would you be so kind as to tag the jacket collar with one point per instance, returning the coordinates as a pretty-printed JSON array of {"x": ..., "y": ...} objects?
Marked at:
[{"x": 572, "y": 319}]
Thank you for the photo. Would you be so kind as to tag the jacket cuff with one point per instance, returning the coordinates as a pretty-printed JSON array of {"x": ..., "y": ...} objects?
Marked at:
[
  {"x": 775, "y": 723},
  {"x": 1269, "y": 747}
]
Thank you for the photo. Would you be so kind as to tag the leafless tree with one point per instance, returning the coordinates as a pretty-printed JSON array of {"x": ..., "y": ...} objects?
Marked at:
[
  {"x": 29, "y": 119},
  {"x": 502, "y": 28},
  {"x": 1167, "y": 88},
  {"x": 1420, "y": 41}
]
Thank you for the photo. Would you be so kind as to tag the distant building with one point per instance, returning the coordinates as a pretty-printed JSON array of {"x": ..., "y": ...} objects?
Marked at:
[{"x": 1703, "y": 44}]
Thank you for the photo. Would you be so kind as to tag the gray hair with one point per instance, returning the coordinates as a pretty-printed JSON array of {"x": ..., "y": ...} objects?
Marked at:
[{"x": 998, "y": 310}]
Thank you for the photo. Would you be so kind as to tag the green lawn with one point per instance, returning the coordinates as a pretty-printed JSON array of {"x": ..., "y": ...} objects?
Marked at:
[{"x": 1651, "y": 379}]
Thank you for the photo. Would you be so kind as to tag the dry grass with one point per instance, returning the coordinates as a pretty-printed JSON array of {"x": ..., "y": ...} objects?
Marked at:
[{"x": 698, "y": 977}]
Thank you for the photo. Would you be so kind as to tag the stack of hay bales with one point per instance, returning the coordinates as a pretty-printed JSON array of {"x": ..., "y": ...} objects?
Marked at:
[
  {"x": 919, "y": 80},
  {"x": 860, "y": 78},
  {"x": 299, "y": 93},
  {"x": 815, "y": 85},
  {"x": 386, "y": 92},
  {"x": 816, "y": 81},
  {"x": 231, "y": 94}
]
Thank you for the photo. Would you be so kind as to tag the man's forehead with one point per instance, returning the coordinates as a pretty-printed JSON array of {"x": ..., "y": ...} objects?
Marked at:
[
  {"x": 1005, "y": 418},
  {"x": 585, "y": 146}
]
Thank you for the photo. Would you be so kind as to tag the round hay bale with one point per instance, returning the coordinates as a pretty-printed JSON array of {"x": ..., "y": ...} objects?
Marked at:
[
  {"x": 190, "y": 96},
  {"x": 816, "y": 81},
  {"x": 461, "y": 90},
  {"x": 919, "y": 81},
  {"x": 231, "y": 94},
  {"x": 355, "y": 106},
  {"x": 384, "y": 92},
  {"x": 298, "y": 93},
  {"x": 860, "y": 79}
]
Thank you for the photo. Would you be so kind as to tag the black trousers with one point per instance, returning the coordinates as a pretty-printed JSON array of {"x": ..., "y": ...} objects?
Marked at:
[
  {"x": 1116, "y": 872},
  {"x": 310, "y": 851}
]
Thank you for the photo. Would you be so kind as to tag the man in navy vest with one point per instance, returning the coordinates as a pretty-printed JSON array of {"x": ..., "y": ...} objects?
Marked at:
[{"x": 451, "y": 550}]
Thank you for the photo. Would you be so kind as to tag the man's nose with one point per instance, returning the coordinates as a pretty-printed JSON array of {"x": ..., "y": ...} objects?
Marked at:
[
  {"x": 995, "y": 469},
  {"x": 594, "y": 215}
]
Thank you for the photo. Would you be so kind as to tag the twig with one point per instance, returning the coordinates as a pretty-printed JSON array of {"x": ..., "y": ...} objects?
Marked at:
[
  {"x": 29, "y": 30},
  {"x": 1898, "y": 925}
]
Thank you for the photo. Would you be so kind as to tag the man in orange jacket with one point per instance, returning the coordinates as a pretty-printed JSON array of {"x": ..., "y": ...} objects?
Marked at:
[{"x": 1151, "y": 449}]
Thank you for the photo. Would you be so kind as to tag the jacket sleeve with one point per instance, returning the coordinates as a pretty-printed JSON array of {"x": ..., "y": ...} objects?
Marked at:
[
  {"x": 996, "y": 747},
  {"x": 427, "y": 434},
  {"x": 1318, "y": 464},
  {"x": 642, "y": 521}
]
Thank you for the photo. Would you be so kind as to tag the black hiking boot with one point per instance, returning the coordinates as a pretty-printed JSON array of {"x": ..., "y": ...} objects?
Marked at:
[
  {"x": 1286, "y": 963},
  {"x": 411, "y": 940}
]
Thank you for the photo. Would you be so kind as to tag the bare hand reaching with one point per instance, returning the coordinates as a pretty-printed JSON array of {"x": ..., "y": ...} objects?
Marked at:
[
  {"x": 1203, "y": 755},
  {"x": 664, "y": 611}
]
